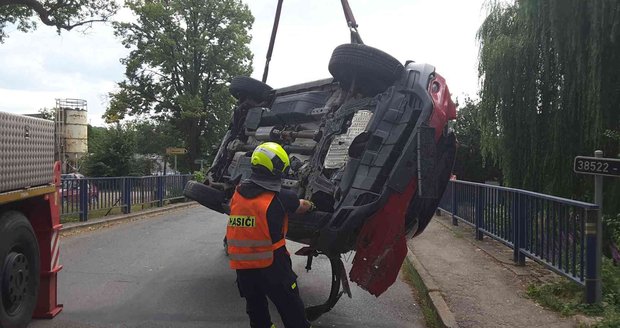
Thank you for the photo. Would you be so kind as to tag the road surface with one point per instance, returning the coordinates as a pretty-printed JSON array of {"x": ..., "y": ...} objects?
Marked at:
[{"x": 171, "y": 271}]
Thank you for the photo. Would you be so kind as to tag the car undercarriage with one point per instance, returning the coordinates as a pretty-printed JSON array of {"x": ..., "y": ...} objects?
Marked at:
[{"x": 371, "y": 147}]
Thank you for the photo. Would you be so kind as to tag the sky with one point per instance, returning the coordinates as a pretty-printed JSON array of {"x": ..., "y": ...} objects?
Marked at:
[{"x": 37, "y": 68}]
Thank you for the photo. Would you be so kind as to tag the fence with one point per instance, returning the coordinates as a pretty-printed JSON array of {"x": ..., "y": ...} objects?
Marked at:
[
  {"x": 558, "y": 233},
  {"x": 103, "y": 196}
]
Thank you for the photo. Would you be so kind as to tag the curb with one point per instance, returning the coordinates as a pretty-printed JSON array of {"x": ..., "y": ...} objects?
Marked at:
[
  {"x": 121, "y": 218},
  {"x": 444, "y": 314}
]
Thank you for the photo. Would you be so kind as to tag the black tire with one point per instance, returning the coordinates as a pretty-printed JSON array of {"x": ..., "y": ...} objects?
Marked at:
[
  {"x": 19, "y": 270},
  {"x": 303, "y": 228},
  {"x": 205, "y": 195},
  {"x": 421, "y": 210},
  {"x": 243, "y": 87},
  {"x": 372, "y": 69}
]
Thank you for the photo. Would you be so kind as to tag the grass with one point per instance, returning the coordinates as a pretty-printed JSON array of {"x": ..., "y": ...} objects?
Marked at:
[
  {"x": 421, "y": 294},
  {"x": 566, "y": 297}
]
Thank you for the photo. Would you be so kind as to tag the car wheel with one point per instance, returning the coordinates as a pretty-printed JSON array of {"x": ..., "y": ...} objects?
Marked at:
[
  {"x": 305, "y": 227},
  {"x": 19, "y": 270},
  {"x": 372, "y": 70},
  {"x": 205, "y": 195},
  {"x": 242, "y": 87},
  {"x": 421, "y": 210}
]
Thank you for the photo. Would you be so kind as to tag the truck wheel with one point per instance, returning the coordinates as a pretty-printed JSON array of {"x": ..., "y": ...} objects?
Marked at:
[
  {"x": 372, "y": 69},
  {"x": 242, "y": 87},
  {"x": 19, "y": 270}
]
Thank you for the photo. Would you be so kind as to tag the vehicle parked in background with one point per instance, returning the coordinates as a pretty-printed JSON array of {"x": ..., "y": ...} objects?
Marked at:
[{"x": 71, "y": 188}]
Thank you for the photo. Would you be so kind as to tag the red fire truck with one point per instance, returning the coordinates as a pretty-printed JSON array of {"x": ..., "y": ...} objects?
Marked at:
[{"x": 29, "y": 220}]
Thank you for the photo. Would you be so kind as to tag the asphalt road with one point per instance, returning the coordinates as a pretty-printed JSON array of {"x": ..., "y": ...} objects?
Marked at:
[{"x": 171, "y": 271}]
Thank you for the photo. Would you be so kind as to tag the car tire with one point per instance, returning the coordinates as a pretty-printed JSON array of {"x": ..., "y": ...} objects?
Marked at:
[
  {"x": 19, "y": 270},
  {"x": 305, "y": 227},
  {"x": 205, "y": 195},
  {"x": 243, "y": 87},
  {"x": 421, "y": 210},
  {"x": 372, "y": 69}
]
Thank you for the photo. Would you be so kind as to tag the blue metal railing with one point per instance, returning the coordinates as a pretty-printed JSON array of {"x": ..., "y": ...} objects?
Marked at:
[
  {"x": 106, "y": 194},
  {"x": 553, "y": 231}
]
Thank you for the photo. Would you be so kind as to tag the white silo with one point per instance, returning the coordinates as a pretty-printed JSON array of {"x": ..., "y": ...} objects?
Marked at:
[{"x": 72, "y": 131}]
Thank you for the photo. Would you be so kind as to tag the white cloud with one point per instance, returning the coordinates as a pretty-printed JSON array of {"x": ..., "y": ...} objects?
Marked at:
[{"x": 36, "y": 68}]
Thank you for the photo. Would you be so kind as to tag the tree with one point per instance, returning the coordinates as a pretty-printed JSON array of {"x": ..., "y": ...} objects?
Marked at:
[
  {"x": 550, "y": 89},
  {"x": 62, "y": 14},
  {"x": 112, "y": 155},
  {"x": 47, "y": 113},
  {"x": 183, "y": 53},
  {"x": 153, "y": 137},
  {"x": 470, "y": 165}
]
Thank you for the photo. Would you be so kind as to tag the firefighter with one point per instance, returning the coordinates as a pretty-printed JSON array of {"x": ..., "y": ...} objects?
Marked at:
[{"x": 255, "y": 233}]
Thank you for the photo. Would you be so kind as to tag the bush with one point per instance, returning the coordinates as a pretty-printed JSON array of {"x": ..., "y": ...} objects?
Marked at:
[
  {"x": 611, "y": 237},
  {"x": 199, "y": 176}
]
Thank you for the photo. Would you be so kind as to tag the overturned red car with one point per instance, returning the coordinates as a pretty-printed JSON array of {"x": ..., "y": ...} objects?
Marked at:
[{"x": 371, "y": 147}]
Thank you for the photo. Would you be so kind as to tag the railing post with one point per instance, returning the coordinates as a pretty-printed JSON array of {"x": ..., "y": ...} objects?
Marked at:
[
  {"x": 127, "y": 195},
  {"x": 160, "y": 191},
  {"x": 480, "y": 195},
  {"x": 83, "y": 199},
  {"x": 518, "y": 219},
  {"x": 453, "y": 203},
  {"x": 142, "y": 199},
  {"x": 593, "y": 274}
]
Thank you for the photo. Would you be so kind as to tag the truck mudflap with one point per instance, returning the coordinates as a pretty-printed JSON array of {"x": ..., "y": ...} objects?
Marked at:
[
  {"x": 381, "y": 245},
  {"x": 45, "y": 219}
]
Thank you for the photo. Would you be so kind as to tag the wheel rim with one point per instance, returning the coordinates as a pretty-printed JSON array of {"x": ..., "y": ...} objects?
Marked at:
[{"x": 16, "y": 279}]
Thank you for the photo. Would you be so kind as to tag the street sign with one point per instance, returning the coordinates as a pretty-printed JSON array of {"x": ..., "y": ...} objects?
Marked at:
[
  {"x": 176, "y": 151},
  {"x": 201, "y": 162},
  {"x": 597, "y": 166}
]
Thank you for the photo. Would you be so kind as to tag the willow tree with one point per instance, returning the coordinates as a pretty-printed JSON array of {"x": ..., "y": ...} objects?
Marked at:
[
  {"x": 550, "y": 88},
  {"x": 183, "y": 53}
]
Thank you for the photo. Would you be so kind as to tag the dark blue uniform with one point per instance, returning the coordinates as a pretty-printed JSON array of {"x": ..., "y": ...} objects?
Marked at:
[{"x": 278, "y": 281}]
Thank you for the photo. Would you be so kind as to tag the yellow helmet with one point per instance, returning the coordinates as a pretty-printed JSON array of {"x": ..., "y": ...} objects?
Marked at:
[{"x": 271, "y": 156}]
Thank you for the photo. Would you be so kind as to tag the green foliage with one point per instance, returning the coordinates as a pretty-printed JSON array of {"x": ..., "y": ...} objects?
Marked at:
[
  {"x": 470, "y": 164},
  {"x": 47, "y": 113},
  {"x": 562, "y": 296},
  {"x": 154, "y": 137},
  {"x": 63, "y": 15},
  {"x": 111, "y": 154},
  {"x": 200, "y": 176},
  {"x": 566, "y": 297},
  {"x": 550, "y": 91},
  {"x": 183, "y": 53},
  {"x": 611, "y": 236},
  {"x": 412, "y": 277},
  {"x": 141, "y": 166},
  {"x": 612, "y": 225}
]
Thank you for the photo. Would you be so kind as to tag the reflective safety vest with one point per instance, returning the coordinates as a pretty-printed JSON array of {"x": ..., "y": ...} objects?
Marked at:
[{"x": 247, "y": 233}]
